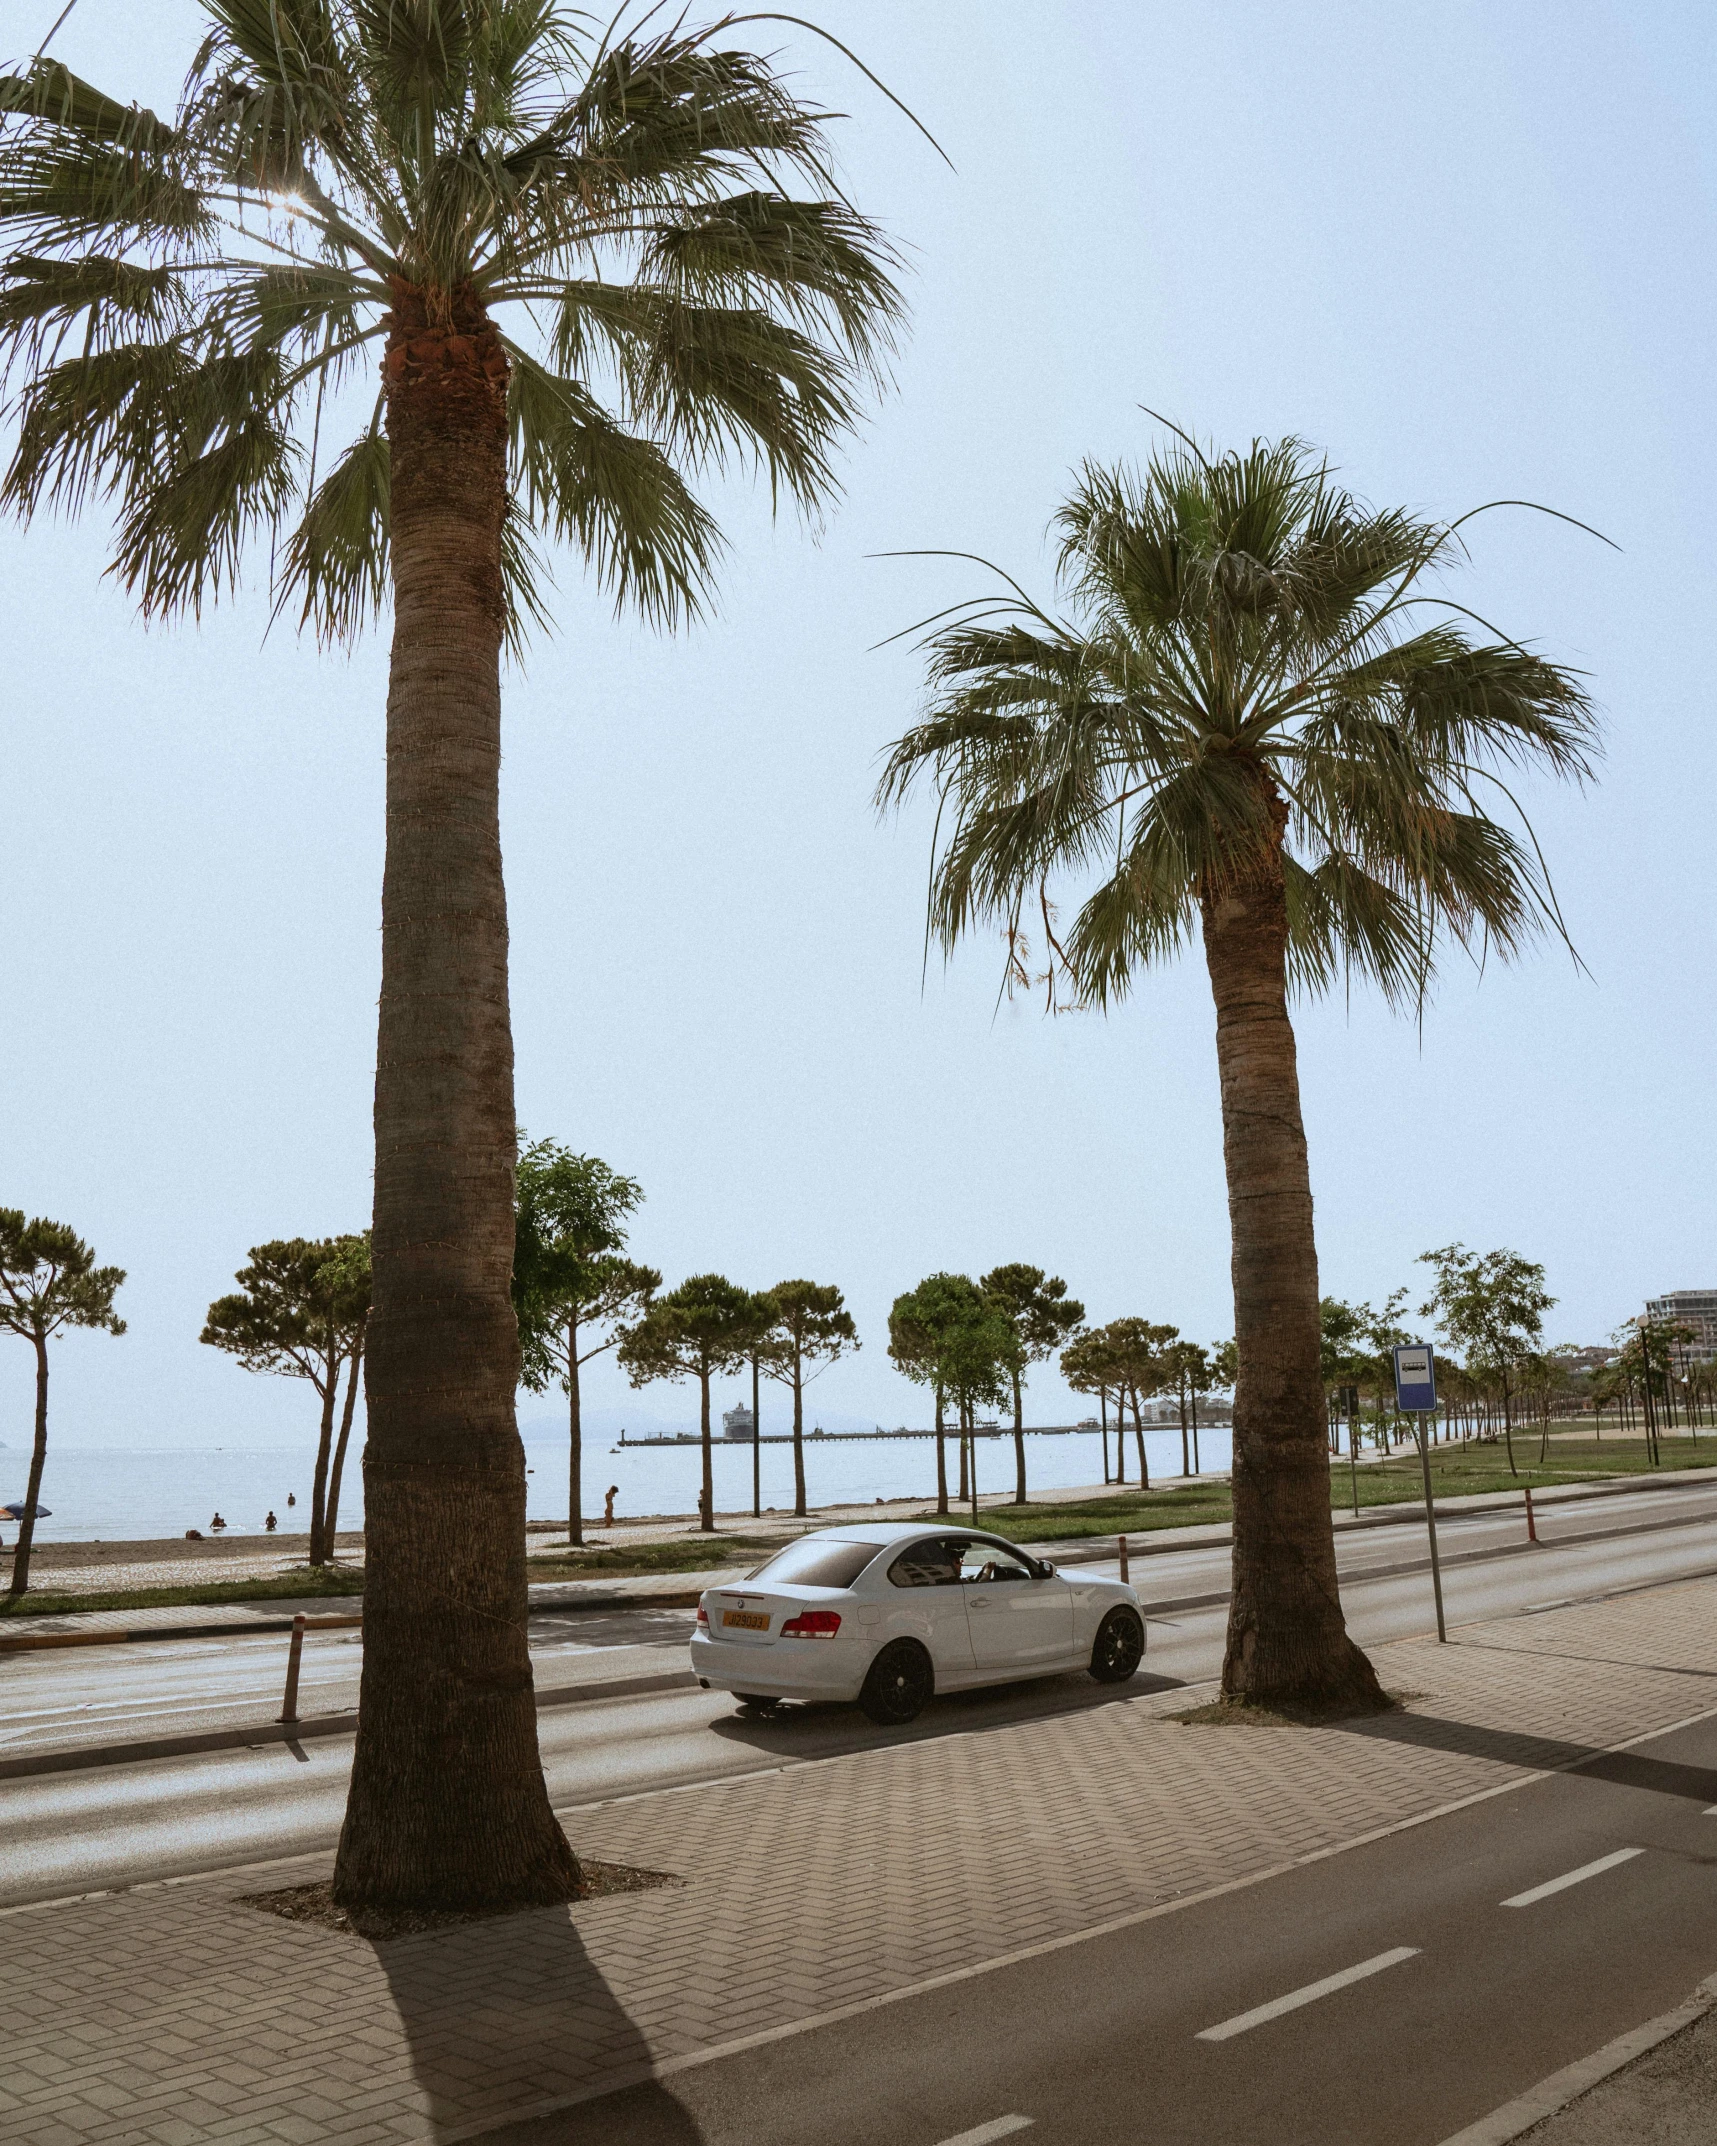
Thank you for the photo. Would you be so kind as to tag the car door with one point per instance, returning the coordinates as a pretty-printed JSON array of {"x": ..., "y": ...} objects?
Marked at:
[
  {"x": 933, "y": 1606},
  {"x": 1017, "y": 1620}
]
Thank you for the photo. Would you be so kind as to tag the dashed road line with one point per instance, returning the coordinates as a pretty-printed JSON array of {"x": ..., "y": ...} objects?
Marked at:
[
  {"x": 1572, "y": 1877},
  {"x": 1312, "y": 1991}
]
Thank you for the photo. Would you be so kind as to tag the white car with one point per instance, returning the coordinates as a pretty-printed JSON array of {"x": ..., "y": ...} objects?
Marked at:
[{"x": 887, "y": 1615}]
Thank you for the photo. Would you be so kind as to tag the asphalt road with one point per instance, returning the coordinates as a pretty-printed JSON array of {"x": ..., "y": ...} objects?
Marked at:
[
  {"x": 1462, "y": 1973},
  {"x": 79, "y": 1831}
]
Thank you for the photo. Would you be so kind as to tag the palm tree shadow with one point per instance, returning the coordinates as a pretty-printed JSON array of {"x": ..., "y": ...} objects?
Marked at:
[
  {"x": 512, "y": 2012},
  {"x": 1509, "y": 1747}
]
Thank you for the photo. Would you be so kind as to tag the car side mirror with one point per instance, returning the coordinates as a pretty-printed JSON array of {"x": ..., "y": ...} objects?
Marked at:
[{"x": 1045, "y": 1570}]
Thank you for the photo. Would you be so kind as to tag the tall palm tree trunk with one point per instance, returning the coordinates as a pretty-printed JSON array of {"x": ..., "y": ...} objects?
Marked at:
[
  {"x": 1287, "y": 1640},
  {"x": 38, "y": 1458},
  {"x": 941, "y": 1459},
  {"x": 1019, "y": 1443},
  {"x": 447, "y": 1806}
]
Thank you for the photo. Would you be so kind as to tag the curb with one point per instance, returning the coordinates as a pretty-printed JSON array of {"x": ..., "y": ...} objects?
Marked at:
[{"x": 1550, "y": 2096}]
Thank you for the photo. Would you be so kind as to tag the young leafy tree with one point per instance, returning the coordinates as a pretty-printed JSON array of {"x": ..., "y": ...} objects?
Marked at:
[
  {"x": 301, "y": 1310},
  {"x": 706, "y": 1326},
  {"x": 1254, "y": 723},
  {"x": 1491, "y": 1305},
  {"x": 947, "y": 1335},
  {"x": 1042, "y": 1316},
  {"x": 1186, "y": 1367},
  {"x": 811, "y": 1326},
  {"x": 558, "y": 268},
  {"x": 48, "y": 1281},
  {"x": 347, "y": 1275},
  {"x": 573, "y": 1288},
  {"x": 1124, "y": 1358}
]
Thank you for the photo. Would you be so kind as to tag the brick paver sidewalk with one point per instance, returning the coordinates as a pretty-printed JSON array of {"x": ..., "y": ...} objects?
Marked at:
[{"x": 172, "y": 2014}]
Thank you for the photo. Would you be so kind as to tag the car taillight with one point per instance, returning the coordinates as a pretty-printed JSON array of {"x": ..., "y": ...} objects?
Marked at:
[
  {"x": 812, "y": 1624},
  {"x": 703, "y": 1615}
]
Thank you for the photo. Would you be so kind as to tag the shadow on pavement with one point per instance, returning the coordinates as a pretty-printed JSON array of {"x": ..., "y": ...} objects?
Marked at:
[
  {"x": 511, "y": 2012},
  {"x": 1627, "y": 1769},
  {"x": 818, "y": 1730}
]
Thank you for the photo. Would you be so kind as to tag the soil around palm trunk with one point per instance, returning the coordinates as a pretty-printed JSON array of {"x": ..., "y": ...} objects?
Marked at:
[
  {"x": 315, "y": 1903},
  {"x": 1286, "y": 1714}
]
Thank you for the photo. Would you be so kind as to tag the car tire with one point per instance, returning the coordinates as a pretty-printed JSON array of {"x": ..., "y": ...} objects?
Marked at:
[
  {"x": 897, "y": 1684},
  {"x": 1119, "y": 1647},
  {"x": 755, "y": 1703}
]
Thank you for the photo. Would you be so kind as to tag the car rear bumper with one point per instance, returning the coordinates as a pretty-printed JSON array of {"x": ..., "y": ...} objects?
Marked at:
[{"x": 787, "y": 1669}]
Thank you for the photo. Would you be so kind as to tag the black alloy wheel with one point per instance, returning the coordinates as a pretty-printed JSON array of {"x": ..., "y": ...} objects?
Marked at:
[
  {"x": 899, "y": 1683},
  {"x": 1120, "y": 1646}
]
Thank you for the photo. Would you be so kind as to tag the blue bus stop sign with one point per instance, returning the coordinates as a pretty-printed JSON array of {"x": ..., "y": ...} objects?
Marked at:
[{"x": 1415, "y": 1379}]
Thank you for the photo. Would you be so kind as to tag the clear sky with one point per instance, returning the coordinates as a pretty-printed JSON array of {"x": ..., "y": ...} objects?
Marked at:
[{"x": 1466, "y": 249}]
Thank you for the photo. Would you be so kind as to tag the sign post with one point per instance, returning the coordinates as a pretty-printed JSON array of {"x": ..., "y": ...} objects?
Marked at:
[{"x": 1416, "y": 1396}]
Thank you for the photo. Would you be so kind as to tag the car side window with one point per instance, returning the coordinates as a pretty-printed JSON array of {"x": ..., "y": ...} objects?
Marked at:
[
  {"x": 983, "y": 1565},
  {"x": 933, "y": 1563}
]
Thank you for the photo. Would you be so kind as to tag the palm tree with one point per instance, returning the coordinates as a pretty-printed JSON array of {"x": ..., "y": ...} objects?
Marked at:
[
  {"x": 1257, "y": 720},
  {"x": 403, "y": 293}
]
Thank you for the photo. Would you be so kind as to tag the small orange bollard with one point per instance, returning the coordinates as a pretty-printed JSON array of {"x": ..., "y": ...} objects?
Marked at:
[
  {"x": 1531, "y": 1524},
  {"x": 1124, "y": 1579}
]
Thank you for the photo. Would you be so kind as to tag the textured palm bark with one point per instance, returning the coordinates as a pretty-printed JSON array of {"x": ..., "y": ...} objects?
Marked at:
[
  {"x": 20, "y": 1581},
  {"x": 1287, "y": 1639},
  {"x": 448, "y": 1806},
  {"x": 1019, "y": 1442}
]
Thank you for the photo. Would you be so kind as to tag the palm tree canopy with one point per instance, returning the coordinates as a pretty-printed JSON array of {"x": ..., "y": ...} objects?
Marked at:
[
  {"x": 651, "y": 218},
  {"x": 1253, "y": 663}
]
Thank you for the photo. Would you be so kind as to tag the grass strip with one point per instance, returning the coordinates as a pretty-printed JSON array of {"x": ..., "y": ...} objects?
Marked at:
[
  {"x": 1456, "y": 1472},
  {"x": 699, "y": 1553}
]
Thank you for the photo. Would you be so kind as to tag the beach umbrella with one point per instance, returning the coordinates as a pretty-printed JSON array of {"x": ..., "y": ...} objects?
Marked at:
[{"x": 16, "y": 1512}]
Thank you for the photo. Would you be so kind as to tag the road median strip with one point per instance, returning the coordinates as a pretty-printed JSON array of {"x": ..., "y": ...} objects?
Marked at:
[{"x": 35, "y": 1763}]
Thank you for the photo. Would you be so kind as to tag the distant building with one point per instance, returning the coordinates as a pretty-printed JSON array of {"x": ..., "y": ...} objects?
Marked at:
[
  {"x": 738, "y": 1423},
  {"x": 1696, "y": 1308},
  {"x": 1583, "y": 1362}
]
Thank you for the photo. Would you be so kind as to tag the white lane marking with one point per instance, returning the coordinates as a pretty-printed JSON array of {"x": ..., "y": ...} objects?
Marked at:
[
  {"x": 1309, "y": 1995},
  {"x": 1572, "y": 1877},
  {"x": 999, "y": 2127}
]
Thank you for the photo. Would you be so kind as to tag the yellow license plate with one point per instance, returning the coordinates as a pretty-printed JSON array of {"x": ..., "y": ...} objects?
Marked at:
[{"x": 746, "y": 1620}]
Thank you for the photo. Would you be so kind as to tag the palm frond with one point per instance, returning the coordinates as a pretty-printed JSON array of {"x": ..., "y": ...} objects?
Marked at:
[
  {"x": 337, "y": 557},
  {"x": 582, "y": 477}
]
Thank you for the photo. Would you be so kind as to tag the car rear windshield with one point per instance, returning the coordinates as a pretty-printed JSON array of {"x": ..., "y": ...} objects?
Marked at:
[{"x": 817, "y": 1562}]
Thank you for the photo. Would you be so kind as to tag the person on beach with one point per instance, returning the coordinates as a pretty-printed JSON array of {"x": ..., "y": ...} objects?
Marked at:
[
  {"x": 271, "y": 1523},
  {"x": 608, "y": 1508}
]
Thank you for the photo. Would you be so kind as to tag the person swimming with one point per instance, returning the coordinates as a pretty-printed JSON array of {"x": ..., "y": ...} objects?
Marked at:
[
  {"x": 271, "y": 1523},
  {"x": 217, "y": 1522}
]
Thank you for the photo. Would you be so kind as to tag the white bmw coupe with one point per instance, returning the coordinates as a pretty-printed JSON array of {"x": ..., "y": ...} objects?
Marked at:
[{"x": 887, "y": 1615}]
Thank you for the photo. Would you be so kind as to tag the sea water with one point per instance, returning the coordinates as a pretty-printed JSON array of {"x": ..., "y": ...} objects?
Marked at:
[{"x": 117, "y": 1495}]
